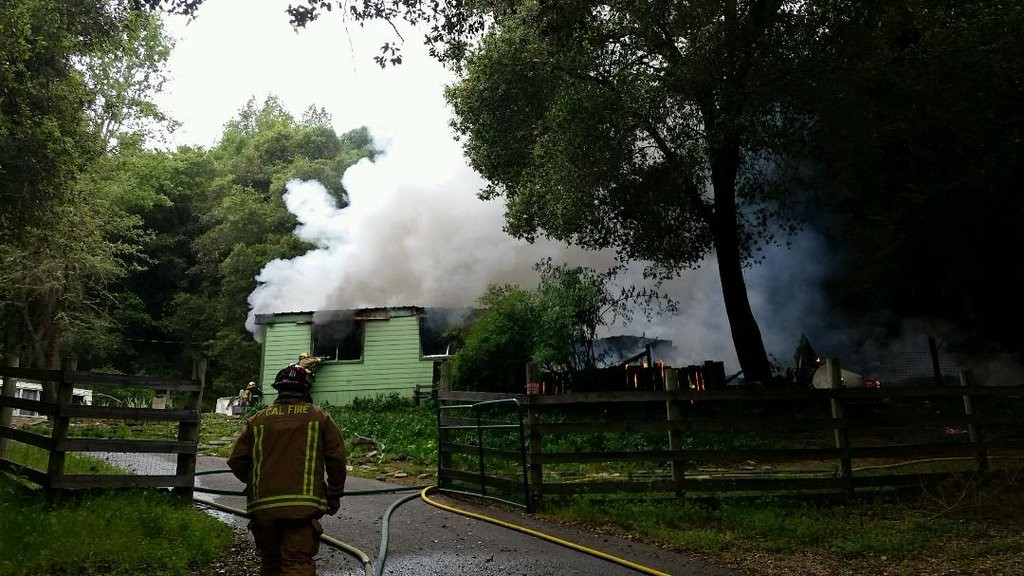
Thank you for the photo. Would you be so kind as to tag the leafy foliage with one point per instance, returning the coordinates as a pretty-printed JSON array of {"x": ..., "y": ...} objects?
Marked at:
[
  {"x": 124, "y": 75},
  {"x": 920, "y": 137},
  {"x": 499, "y": 344},
  {"x": 45, "y": 136},
  {"x": 553, "y": 326}
]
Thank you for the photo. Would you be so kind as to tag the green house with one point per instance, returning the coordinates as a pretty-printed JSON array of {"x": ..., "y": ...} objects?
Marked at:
[{"x": 367, "y": 352}]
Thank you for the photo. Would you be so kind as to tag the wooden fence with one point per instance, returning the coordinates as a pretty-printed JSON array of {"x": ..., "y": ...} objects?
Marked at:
[
  {"x": 737, "y": 439},
  {"x": 61, "y": 413}
]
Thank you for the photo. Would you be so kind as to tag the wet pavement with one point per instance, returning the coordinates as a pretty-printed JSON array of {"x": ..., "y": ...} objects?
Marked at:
[{"x": 425, "y": 540}]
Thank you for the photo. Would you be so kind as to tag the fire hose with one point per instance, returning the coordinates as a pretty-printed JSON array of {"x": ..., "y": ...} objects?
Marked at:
[{"x": 376, "y": 567}]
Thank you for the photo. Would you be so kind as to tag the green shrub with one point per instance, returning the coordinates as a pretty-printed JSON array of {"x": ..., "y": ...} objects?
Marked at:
[{"x": 399, "y": 429}]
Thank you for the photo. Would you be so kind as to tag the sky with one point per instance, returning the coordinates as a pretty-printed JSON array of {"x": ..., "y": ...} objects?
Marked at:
[{"x": 415, "y": 233}]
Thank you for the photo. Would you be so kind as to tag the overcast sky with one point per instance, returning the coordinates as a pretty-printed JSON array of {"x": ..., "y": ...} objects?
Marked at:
[
  {"x": 238, "y": 49},
  {"x": 415, "y": 233}
]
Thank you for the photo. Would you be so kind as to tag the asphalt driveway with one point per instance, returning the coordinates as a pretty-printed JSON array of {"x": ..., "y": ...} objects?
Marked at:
[{"x": 425, "y": 540}]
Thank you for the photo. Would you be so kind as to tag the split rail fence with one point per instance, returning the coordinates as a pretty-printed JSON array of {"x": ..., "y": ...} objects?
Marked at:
[
  {"x": 60, "y": 414},
  {"x": 522, "y": 447}
]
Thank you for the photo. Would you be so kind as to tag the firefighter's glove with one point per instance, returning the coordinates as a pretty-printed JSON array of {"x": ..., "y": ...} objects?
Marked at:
[{"x": 333, "y": 505}]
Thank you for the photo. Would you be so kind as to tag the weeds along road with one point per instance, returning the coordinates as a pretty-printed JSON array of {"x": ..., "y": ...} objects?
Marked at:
[{"x": 426, "y": 541}]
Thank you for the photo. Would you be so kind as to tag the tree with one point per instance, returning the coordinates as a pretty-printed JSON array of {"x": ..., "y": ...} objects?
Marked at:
[
  {"x": 499, "y": 343},
  {"x": 649, "y": 127},
  {"x": 921, "y": 134},
  {"x": 65, "y": 240},
  {"x": 684, "y": 108},
  {"x": 56, "y": 275},
  {"x": 553, "y": 326},
  {"x": 241, "y": 224},
  {"x": 574, "y": 303},
  {"x": 657, "y": 128},
  {"x": 124, "y": 75},
  {"x": 45, "y": 138}
]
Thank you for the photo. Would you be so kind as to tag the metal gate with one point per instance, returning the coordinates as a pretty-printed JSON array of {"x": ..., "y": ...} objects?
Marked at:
[{"x": 482, "y": 451}]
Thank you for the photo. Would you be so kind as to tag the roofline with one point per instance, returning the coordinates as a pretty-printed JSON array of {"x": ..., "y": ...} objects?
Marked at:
[{"x": 275, "y": 316}]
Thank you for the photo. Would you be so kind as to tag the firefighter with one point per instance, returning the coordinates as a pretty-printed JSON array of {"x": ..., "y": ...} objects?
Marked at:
[
  {"x": 282, "y": 456},
  {"x": 309, "y": 362},
  {"x": 250, "y": 395},
  {"x": 255, "y": 393}
]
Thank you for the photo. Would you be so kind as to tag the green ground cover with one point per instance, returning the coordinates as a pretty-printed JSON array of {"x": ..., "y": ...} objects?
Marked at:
[
  {"x": 37, "y": 459},
  {"x": 968, "y": 525},
  {"x": 110, "y": 533}
]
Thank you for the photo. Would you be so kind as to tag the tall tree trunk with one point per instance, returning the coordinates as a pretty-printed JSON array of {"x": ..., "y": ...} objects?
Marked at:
[
  {"x": 42, "y": 324},
  {"x": 746, "y": 336}
]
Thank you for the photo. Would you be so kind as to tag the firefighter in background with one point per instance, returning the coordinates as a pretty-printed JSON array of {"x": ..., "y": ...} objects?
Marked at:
[
  {"x": 283, "y": 456},
  {"x": 309, "y": 362},
  {"x": 250, "y": 395}
]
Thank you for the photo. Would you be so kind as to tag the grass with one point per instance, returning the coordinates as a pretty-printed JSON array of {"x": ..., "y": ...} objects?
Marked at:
[
  {"x": 404, "y": 437},
  {"x": 110, "y": 533},
  {"x": 37, "y": 459},
  {"x": 969, "y": 525},
  {"x": 965, "y": 526}
]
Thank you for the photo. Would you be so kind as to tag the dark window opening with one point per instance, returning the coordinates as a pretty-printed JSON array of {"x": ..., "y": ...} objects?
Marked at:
[
  {"x": 338, "y": 338},
  {"x": 442, "y": 330}
]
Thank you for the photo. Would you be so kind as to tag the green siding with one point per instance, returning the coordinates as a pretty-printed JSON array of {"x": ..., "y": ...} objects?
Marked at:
[
  {"x": 282, "y": 344},
  {"x": 391, "y": 362}
]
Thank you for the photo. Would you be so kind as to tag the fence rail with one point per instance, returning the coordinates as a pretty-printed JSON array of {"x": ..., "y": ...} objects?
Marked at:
[
  {"x": 60, "y": 412},
  {"x": 838, "y": 439}
]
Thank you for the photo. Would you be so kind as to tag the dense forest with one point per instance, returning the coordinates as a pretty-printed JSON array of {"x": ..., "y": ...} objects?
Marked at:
[
  {"x": 896, "y": 128},
  {"x": 116, "y": 252}
]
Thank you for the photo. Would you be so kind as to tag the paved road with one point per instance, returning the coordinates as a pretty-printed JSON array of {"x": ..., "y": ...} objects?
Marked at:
[{"x": 427, "y": 541}]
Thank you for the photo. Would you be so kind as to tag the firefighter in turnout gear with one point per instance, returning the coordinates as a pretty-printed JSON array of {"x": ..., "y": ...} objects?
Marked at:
[
  {"x": 309, "y": 362},
  {"x": 283, "y": 456}
]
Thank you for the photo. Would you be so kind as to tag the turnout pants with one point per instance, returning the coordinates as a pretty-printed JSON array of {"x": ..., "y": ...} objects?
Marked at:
[{"x": 287, "y": 547}]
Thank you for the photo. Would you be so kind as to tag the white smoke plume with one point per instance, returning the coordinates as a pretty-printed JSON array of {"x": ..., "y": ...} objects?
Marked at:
[{"x": 416, "y": 234}]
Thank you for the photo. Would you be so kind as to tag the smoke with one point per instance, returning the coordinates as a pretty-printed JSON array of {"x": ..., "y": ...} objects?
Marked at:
[
  {"x": 416, "y": 234},
  {"x": 786, "y": 295}
]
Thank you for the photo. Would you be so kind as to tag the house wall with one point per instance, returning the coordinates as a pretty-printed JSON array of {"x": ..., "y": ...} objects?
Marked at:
[
  {"x": 392, "y": 361},
  {"x": 283, "y": 341}
]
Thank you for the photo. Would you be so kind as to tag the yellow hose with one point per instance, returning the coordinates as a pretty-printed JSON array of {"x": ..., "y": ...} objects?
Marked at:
[
  {"x": 368, "y": 566},
  {"x": 543, "y": 536}
]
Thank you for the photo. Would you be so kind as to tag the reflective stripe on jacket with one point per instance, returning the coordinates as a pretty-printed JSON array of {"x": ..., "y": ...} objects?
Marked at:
[{"x": 283, "y": 455}]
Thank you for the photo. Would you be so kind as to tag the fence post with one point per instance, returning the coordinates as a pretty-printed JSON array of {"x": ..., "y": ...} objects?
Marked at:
[
  {"x": 444, "y": 455},
  {"x": 7, "y": 414},
  {"x": 55, "y": 466},
  {"x": 839, "y": 426},
  {"x": 981, "y": 455},
  {"x": 675, "y": 436},
  {"x": 533, "y": 379},
  {"x": 444, "y": 381},
  {"x": 536, "y": 472},
  {"x": 189, "y": 431},
  {"x": 480, "y": 452},
  {"x": 933, "y": 352}
]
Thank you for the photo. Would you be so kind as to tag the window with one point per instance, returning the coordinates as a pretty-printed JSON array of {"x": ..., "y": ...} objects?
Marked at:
[
  {"x": 338, "y": 336},
  {"x": 443, "y": 329}
]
